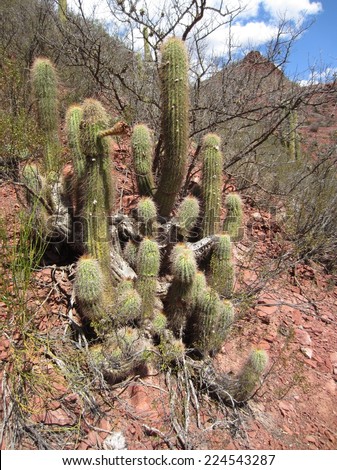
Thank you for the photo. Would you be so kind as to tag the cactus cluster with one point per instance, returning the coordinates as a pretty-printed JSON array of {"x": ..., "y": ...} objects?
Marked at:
[{"x": 147, "y": 287}]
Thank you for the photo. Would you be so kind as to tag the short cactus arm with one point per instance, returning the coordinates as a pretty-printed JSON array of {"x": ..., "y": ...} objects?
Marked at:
[
  {"x": 222, "y": 267},
  {"x": 148, "y": 264},
  {"x": 142, "y": 149},
  {"x": 233, "y": 223}
]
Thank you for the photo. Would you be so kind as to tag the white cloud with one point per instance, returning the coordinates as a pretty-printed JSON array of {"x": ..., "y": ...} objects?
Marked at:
[
  {"x": 292, "y": 9},
  {"x": 254, "y": 33},
  {"x": 326, "y": 75}
]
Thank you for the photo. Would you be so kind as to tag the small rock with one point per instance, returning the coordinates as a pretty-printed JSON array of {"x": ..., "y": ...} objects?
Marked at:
[
  {"x": 296, "y": 316},
  {"x": 333, "y": 359},
  {"x": 115, "y": 441},
  {"x": 257, "y": 216},
  {"x": 307, "y": 352},
  {"x": 303, "y": 337},
  {"x": 330, "y": 386},
  {"x": 58, "y": 417},
  {"x": 311, "y": 439}
]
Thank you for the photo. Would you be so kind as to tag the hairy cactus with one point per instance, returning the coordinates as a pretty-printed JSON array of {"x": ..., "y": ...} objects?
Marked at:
[
  {"x": 73, "y": 121},
  {"x": 62, "y": 10},
  {"x": 184, "y": 269},
  {"x": 89, "y": 287},
  {"x": 148, "y": 264},
  {"x": 234, "y": 218},
  {"x": 187, "y": 312},
  {"x": 212, "y": 161},
  {"x": 147, "y": 215},
  {"x": 44, "y": 84},
  {"x": 196, "y": 293},
  {"x": 128, "y": 308},
  {"x": 159, "y": 324},
  {"x": 251, "y": 374},
  {"x": 142, "y": 148},
  {"x": 97, "y": 186},
  {"x": 294, "y": 146},
  {"x": 184, "y": 266},
  {"x": 175, "y": 107},
  {"x": 222, "y": 267},
  {"x": 130, "y": 253},
  {"x": 147, "y": 51},
  {"x": 187, "y": 215},
  {"x": 122, "y": 354},
  {"x": 206, "y": 335}
]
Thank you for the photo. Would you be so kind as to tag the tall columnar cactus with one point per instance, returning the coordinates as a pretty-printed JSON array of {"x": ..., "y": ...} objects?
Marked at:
[
  {"x": 73, "y": 121},
  {"x": 293, "y": 140},
  {"x": 187, "y": 215},
  {"x": 251, "y": 374},
  {"x": 148, "y": 264},
  {"x": 62, "y": 10},
  {"x": 147, "y": 51},
  {"x": 147, "y": 215},
  {"x": 212, "y": 161},
  {"x": 89, "y": 287},
  {"x": 44, "y": 84},
  {"x": 97, "y": 190},
  {"x": 222, "y": 267},
  {"x": 233, "y": 223},
  {"x": 175, "y": 108},
  {"x": 142, "y": 150}
]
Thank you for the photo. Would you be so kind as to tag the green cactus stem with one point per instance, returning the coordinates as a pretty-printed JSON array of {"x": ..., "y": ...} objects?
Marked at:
[
  {"x": 122, "y": 354},
  {"x": 62, "y": 10},
  {"x": 130, "y": 253},
  {"x": 96, "y": 188},
  {"x": 205, "y": 336},
  {"x": 73, "y": 121},
  {"x": 148, "y": 264},
  {"x": 128, "y": 307},
  {"x": 142, "y": 151},
  {"x": 184, "y": 270},
  {"x": 294, "y": 146},
  {"x": 147, "y": 216},
  {"x": 147, "y": 51},
  {"x": 196, "y": 293},
  {"x": 175, "y": 109},
  {"x": 222, "y": 267},
  {"x": 89, "y": 287},
  {"x": 158, "y": 324},
  {"x": 184, "y": 265},
  {"x": 212, "y": 161},
  {"x": 233, "y": 223},
  {"x": 45, "y": 89},
  {"x": 187, "y": 215},
  {"x": 251, "y": 374}
]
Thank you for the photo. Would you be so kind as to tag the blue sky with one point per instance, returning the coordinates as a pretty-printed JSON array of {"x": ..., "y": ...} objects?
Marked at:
[
  {"x": 317, "y": 46},
  {"x": 258, "y": 23}
]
